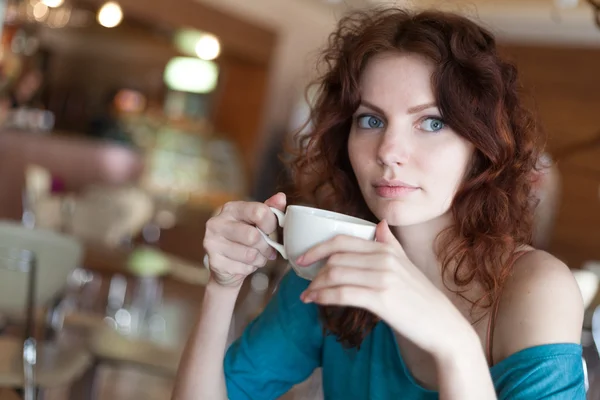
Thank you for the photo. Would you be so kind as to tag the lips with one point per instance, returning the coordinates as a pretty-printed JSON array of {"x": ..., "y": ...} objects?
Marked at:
[
  {"x": 393, "y": 188},
  {"x": 393, "y": 183}
]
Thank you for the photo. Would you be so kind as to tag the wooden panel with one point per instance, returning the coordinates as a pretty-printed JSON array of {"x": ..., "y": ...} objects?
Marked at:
[
  {"x": 241, "y": 37},
  {"x": 577, "y": 233},
  {"x": 89, "y": 62},
  {"x": 565, "y": 87},
  {"x": 240, "y": 108}
]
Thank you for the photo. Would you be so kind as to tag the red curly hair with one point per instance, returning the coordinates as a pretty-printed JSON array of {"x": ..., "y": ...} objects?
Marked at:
[{"x": 477, "y": 94}]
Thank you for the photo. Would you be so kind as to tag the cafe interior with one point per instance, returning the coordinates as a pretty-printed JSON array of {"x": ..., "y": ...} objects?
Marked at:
[{"x": 124, "y": 125}]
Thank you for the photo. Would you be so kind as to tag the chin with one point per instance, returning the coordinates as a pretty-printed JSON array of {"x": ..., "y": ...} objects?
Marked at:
[
  {"x": 404, "y": 214},
  {"x": 398, "y": 215},
  {"x": 401, "y": 220}
]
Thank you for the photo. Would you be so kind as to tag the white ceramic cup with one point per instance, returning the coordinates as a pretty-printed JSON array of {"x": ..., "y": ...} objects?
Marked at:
[{"x": 305, "y": 227}]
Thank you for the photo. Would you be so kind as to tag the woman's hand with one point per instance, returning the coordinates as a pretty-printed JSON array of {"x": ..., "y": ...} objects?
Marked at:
[
  {"x": 379, "y": 277},
  {"x": 234, "y": 246}
]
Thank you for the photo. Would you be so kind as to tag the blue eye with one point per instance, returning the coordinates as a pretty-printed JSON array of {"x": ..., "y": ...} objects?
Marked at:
[
  {"x": 369, "y": 122},
  {"x": 432, "y": 124}
]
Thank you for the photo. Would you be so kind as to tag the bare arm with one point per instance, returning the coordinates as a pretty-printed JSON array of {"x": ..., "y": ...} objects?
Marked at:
[
  {"x": 200, "y": 374},
  {"x": 540, "y": 304},
  {"x": 464, "y": 374},
  {"x": 235, "y": 249}
]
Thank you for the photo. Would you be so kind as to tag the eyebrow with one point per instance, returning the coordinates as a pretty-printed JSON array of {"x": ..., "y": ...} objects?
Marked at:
[
  {"x": 411, "y": 110},
  {"x": 422, "y": 107}
]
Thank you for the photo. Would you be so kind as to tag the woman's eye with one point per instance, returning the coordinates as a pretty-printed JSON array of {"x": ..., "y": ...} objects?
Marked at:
[
  {"x": 432, "y": 124},
  {"x": 369, "y": 122}
]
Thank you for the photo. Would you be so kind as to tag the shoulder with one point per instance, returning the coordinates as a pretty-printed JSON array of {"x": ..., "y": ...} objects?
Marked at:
[{"x": 540, "y": 304}]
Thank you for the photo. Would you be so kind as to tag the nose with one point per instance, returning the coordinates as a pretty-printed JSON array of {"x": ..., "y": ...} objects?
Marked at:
[{"x": 395, "y": 148}]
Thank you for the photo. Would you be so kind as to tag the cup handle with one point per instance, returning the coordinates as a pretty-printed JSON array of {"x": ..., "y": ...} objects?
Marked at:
[{"x": 277, "y": 246}]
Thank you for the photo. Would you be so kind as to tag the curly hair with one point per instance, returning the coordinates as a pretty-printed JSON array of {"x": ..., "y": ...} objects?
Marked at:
[{"x": 478, "y": 96}]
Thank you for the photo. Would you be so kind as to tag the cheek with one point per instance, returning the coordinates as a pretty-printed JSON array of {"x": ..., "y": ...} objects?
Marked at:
[
  {"x": 448, "y": 165},
  {"x": 357, "y": 157}
]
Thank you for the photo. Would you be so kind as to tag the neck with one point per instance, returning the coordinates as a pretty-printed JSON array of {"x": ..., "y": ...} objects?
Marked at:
[{"x": 418, "y": 243}]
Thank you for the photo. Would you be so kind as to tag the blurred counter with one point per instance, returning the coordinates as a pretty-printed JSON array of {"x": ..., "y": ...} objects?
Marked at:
[{"x": 77, "y": 163}]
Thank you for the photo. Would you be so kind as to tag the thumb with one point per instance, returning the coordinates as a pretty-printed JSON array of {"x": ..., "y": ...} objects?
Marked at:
[
  {"x": 278, "y": 201},
  {"x": 383, "y": 234}
]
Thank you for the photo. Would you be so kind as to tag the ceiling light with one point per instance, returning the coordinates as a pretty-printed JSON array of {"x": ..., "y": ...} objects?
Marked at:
[
  {"x": 53, "y": 3},
  {"x": 192, "y": 75},
  {"x": 208, "y": 47},
  {"x": 40, "y": 11},
  {"x": 110, "y": 15}
]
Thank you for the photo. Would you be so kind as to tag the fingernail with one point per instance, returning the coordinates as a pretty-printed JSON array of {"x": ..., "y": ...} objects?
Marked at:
[
  {"x": 272, "y": 255},
  {"x": 307, "y": 297}
]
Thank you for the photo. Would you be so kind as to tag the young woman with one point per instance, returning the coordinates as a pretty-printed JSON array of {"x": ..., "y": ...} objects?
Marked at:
[{"x": 418, "y": 126}]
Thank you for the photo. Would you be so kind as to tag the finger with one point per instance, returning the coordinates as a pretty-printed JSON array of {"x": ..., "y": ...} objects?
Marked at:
[
  {"x": 339, "y": 244},
  {"x": 383, "y": 234},
  {"x": 349, "y": 296},
  {"x": 236, "y": 252},
  {"x": 224, "y": 267},
  {"x": 246, "y": 235},
  {"x": 253, "y": 213},
  {"x": 379, "y": 260},
  {"x": 336, "y": 275},
  {"x": 278, "y": 201}
]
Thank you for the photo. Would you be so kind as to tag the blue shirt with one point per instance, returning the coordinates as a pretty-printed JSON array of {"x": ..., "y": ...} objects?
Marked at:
[{"x": 285, "y": 344}]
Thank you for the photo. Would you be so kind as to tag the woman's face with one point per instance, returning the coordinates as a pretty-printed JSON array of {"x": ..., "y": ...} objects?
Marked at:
[{"x": 408, "y": 163}]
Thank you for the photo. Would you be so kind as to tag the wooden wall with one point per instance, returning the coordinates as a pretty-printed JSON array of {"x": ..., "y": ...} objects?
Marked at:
[
  {"x": 240, "y": 108},
  {"x": 86, "y": 63},
  {"x": 238, "y": 36},
  {"x": 565, "y": 85},
  {"x": 248, "y": 49}
]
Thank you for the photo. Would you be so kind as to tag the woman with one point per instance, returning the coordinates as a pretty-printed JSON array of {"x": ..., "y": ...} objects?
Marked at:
[{"x": 417, "y": 125}]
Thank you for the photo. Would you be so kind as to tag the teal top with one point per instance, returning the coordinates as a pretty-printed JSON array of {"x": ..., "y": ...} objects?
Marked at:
[{"x": 285, "y": 344}]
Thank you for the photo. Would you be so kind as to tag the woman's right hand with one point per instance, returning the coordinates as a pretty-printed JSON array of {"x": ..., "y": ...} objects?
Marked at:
[{"x": 234, "y": 246}]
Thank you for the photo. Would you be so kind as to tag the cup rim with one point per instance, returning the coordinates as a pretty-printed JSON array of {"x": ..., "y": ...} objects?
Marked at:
[{"x": 322, "y": 213}]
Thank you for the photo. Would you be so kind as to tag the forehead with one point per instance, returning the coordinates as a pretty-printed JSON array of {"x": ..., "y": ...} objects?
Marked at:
[{"x": 391, "y": 78}]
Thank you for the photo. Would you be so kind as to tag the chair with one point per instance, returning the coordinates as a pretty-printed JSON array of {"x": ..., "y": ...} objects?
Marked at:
[
  {"x": 6, "y": 394},
  {"x": 57, "y": 256},
  {"x": 110, "y": 215},
  {"x": 587, "y": 279},
  {"x": 588, "y": 282},
  {"x": 35, "y": 265}
]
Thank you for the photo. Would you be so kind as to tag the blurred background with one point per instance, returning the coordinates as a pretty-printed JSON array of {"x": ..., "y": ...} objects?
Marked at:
[{"x": 125, "y": 125}]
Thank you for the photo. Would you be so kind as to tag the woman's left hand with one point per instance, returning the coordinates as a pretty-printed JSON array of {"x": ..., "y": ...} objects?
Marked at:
[{"x": 379, "y": 277}]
